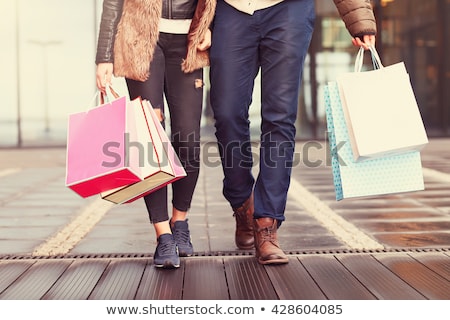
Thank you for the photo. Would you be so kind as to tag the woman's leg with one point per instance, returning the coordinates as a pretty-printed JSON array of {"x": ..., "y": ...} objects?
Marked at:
[
  {"x": 184, "y": 95},
  {"x": 152, "y": 89}
]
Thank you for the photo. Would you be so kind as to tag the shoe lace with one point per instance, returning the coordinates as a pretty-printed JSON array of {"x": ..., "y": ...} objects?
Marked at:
[
  {"x": 167, "y": 248},
  {"x": 182, "y": 236}
]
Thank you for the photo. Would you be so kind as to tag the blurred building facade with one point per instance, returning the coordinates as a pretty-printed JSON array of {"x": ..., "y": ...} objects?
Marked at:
[
  {"x": 48, "y": 49},
  {"x": 413, "y": 31},
  {"x": 418, "y": 33}
]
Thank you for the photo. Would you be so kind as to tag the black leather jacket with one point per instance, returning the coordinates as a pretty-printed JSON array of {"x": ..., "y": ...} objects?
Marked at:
[
  {"x": 178, "y": 9},
  {"x": 112, "y": 11}
]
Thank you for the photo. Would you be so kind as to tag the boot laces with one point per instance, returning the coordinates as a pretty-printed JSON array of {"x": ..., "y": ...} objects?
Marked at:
[{"x": 267, "y": 234}]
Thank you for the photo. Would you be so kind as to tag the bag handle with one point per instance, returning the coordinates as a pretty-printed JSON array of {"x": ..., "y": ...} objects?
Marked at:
[
  {"x": 376, "y": 61},
  {"x": 103, "y": 95}
]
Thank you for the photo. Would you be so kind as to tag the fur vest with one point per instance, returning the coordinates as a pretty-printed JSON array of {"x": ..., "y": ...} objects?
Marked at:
[{"x": 137, "y": 35}]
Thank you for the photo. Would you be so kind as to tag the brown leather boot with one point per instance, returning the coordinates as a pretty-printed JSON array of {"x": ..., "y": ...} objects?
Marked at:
[
  {"x": 244, "y": 237},
  {"x": 268, "y": 250}
]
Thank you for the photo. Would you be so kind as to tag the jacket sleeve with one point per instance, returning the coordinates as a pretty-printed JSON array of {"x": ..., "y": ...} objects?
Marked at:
[
  {"x": 112, "y": 11},
  {"x": 358, "y": 16}
]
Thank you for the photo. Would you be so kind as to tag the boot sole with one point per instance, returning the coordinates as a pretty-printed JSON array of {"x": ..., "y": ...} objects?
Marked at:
[
  {"x": 274, "y": 261},
  {"x": 245, "y": 247}
]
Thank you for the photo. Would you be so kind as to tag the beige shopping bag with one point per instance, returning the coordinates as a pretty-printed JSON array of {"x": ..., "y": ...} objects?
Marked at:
[
  {"x": 159, "y": 162},
  {"x": 381, "y": 110}
]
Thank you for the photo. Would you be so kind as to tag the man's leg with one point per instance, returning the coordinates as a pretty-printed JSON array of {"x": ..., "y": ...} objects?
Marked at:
[
  {"x": 234, "y": 66},
  {"x": 286, "y": 30}
]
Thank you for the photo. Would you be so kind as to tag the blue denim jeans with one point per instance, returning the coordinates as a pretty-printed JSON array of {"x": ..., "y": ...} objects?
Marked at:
[{"x": 274, "y": 40}]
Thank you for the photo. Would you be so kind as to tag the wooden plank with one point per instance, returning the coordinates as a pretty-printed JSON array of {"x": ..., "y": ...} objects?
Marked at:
[
  {"x": 381, "y": 282},
  {"x": 120, "y": 280},
  {"x": 78, "y": 281},
  {"x": 335, "y": 281},
  {"x": 292, "y": 282},
  {"x": 438, "y": 262},
  {"x": 414, "y": 240},
  {"x": 248, "y": 280},
  {"x": 11, "y": 270},
  {"x": 205, "y": 279},
  {"x": 37, "y": 280},
  {"x": 161, "y": 284},
  {"x": 417, "y": 275}
]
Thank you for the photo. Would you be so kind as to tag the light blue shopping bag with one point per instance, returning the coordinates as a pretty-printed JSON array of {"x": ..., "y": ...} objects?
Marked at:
[{"x": 392, "y": 174}]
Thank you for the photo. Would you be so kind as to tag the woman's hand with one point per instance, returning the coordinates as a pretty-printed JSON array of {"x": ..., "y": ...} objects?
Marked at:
[
  {"x": 368, "y": 40},
  {"x": 104, "y": 75},
  {"x": 206, "y": 41}
]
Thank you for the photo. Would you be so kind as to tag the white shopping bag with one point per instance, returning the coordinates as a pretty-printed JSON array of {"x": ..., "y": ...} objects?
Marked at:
[{"x": 381, "y": 110}]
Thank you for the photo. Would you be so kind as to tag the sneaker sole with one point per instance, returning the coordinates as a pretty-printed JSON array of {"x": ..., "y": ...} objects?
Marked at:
[
  {"x": 187, "y": 251},
  {"x": 167, "y": 265},
  {"x": 184, "y": 254}
]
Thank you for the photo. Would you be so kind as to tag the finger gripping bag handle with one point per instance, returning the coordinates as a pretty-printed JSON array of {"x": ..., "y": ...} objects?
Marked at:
[
  {"x": 376, "y": 61},
  {"x": 103, "y": 95}
]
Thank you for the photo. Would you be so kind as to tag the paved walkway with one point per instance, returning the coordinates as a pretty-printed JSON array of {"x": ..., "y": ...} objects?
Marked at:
[{"x": 39, "y": 214}]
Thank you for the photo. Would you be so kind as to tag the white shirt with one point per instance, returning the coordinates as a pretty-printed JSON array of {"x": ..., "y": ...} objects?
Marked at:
[{"x": 179, "y": 26}]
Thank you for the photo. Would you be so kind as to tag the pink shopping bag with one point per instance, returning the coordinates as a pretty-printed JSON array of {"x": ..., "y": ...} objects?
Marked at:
[
  {"x": 96, "y": 157},
  {"x": 162, "y": 165}
]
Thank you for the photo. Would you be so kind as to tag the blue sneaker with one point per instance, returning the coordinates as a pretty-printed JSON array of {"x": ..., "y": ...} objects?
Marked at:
[
  {"x": 182, "y": 236},
  {"x": 166, "y": 253}
]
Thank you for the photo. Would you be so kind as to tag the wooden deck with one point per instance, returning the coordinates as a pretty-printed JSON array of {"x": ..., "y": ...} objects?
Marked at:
[{"x": 396, "y": 274}]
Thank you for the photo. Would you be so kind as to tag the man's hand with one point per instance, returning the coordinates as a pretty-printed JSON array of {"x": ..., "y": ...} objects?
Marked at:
[{"x": 368, "y": 40}]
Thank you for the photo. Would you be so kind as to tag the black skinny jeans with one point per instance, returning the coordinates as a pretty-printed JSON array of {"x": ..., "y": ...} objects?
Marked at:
[{"x": 184, "y": 96}]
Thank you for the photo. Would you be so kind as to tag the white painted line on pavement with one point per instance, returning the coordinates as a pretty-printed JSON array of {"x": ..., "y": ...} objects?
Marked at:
[
  {"x": 353, "y": 237},
  {"x": 71, "y": 234},
  {"x": 7, "y": 172},
  {"x": 434, "y": 174}
]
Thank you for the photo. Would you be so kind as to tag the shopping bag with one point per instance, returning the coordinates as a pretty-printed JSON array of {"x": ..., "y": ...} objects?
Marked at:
[
  {"x": 96, "y": 160},
  {"x": 381, "y": 110},
  {"x": 161, "y": 166},
  {"x": 384, "y": 175}
]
